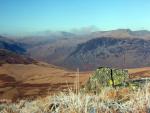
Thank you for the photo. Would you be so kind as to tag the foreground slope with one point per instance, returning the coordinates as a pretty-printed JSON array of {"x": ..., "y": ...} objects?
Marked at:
[
  {"x": 21, "y": 76},
  {"x": 136, "y": 73},
  {"x": 19, "y": 80}
]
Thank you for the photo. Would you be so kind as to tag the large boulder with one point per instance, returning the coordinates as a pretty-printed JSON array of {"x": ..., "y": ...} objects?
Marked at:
[{"x": 106, "y": 77}]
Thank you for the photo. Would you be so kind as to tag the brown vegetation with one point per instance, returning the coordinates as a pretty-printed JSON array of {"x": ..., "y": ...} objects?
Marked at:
[{"x": 19, "y": 80}]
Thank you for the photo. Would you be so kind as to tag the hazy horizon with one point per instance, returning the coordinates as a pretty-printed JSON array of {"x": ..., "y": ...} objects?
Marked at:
[
  {"x": 25, "y": 17},
  {"x": 79, "y": 31}
]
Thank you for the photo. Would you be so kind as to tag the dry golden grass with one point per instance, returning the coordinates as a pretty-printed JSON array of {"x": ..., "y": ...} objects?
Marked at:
[{"x": 120, "y": 100}]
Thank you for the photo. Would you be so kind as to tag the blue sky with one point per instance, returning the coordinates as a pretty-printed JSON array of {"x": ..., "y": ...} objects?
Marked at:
[{"x": 24, "y": 16}]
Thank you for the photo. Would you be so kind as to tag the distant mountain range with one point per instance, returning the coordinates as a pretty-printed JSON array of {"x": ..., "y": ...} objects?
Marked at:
[
  {"x": 111, "y": 52},
  {"x": 115, "y": 48},
  {"x": 123, "y": 33}
]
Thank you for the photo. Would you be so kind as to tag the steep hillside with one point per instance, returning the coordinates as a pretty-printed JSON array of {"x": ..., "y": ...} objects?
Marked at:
[
  {"x": 13, "y": 58},
  {"x": 111, "y": 52},
  {"x": 11, "y": 45},
  {"x": 52, "y": 49}
]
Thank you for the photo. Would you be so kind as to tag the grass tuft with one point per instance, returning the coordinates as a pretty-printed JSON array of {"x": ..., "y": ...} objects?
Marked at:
[{"x": 110, "y": 100}]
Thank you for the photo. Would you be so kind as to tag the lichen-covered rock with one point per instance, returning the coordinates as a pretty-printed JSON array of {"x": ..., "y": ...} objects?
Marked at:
[{"x": 103, "y": 77}]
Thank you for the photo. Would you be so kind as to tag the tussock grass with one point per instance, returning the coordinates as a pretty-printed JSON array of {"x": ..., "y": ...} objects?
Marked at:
[{"x": 110, "y": 100}]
